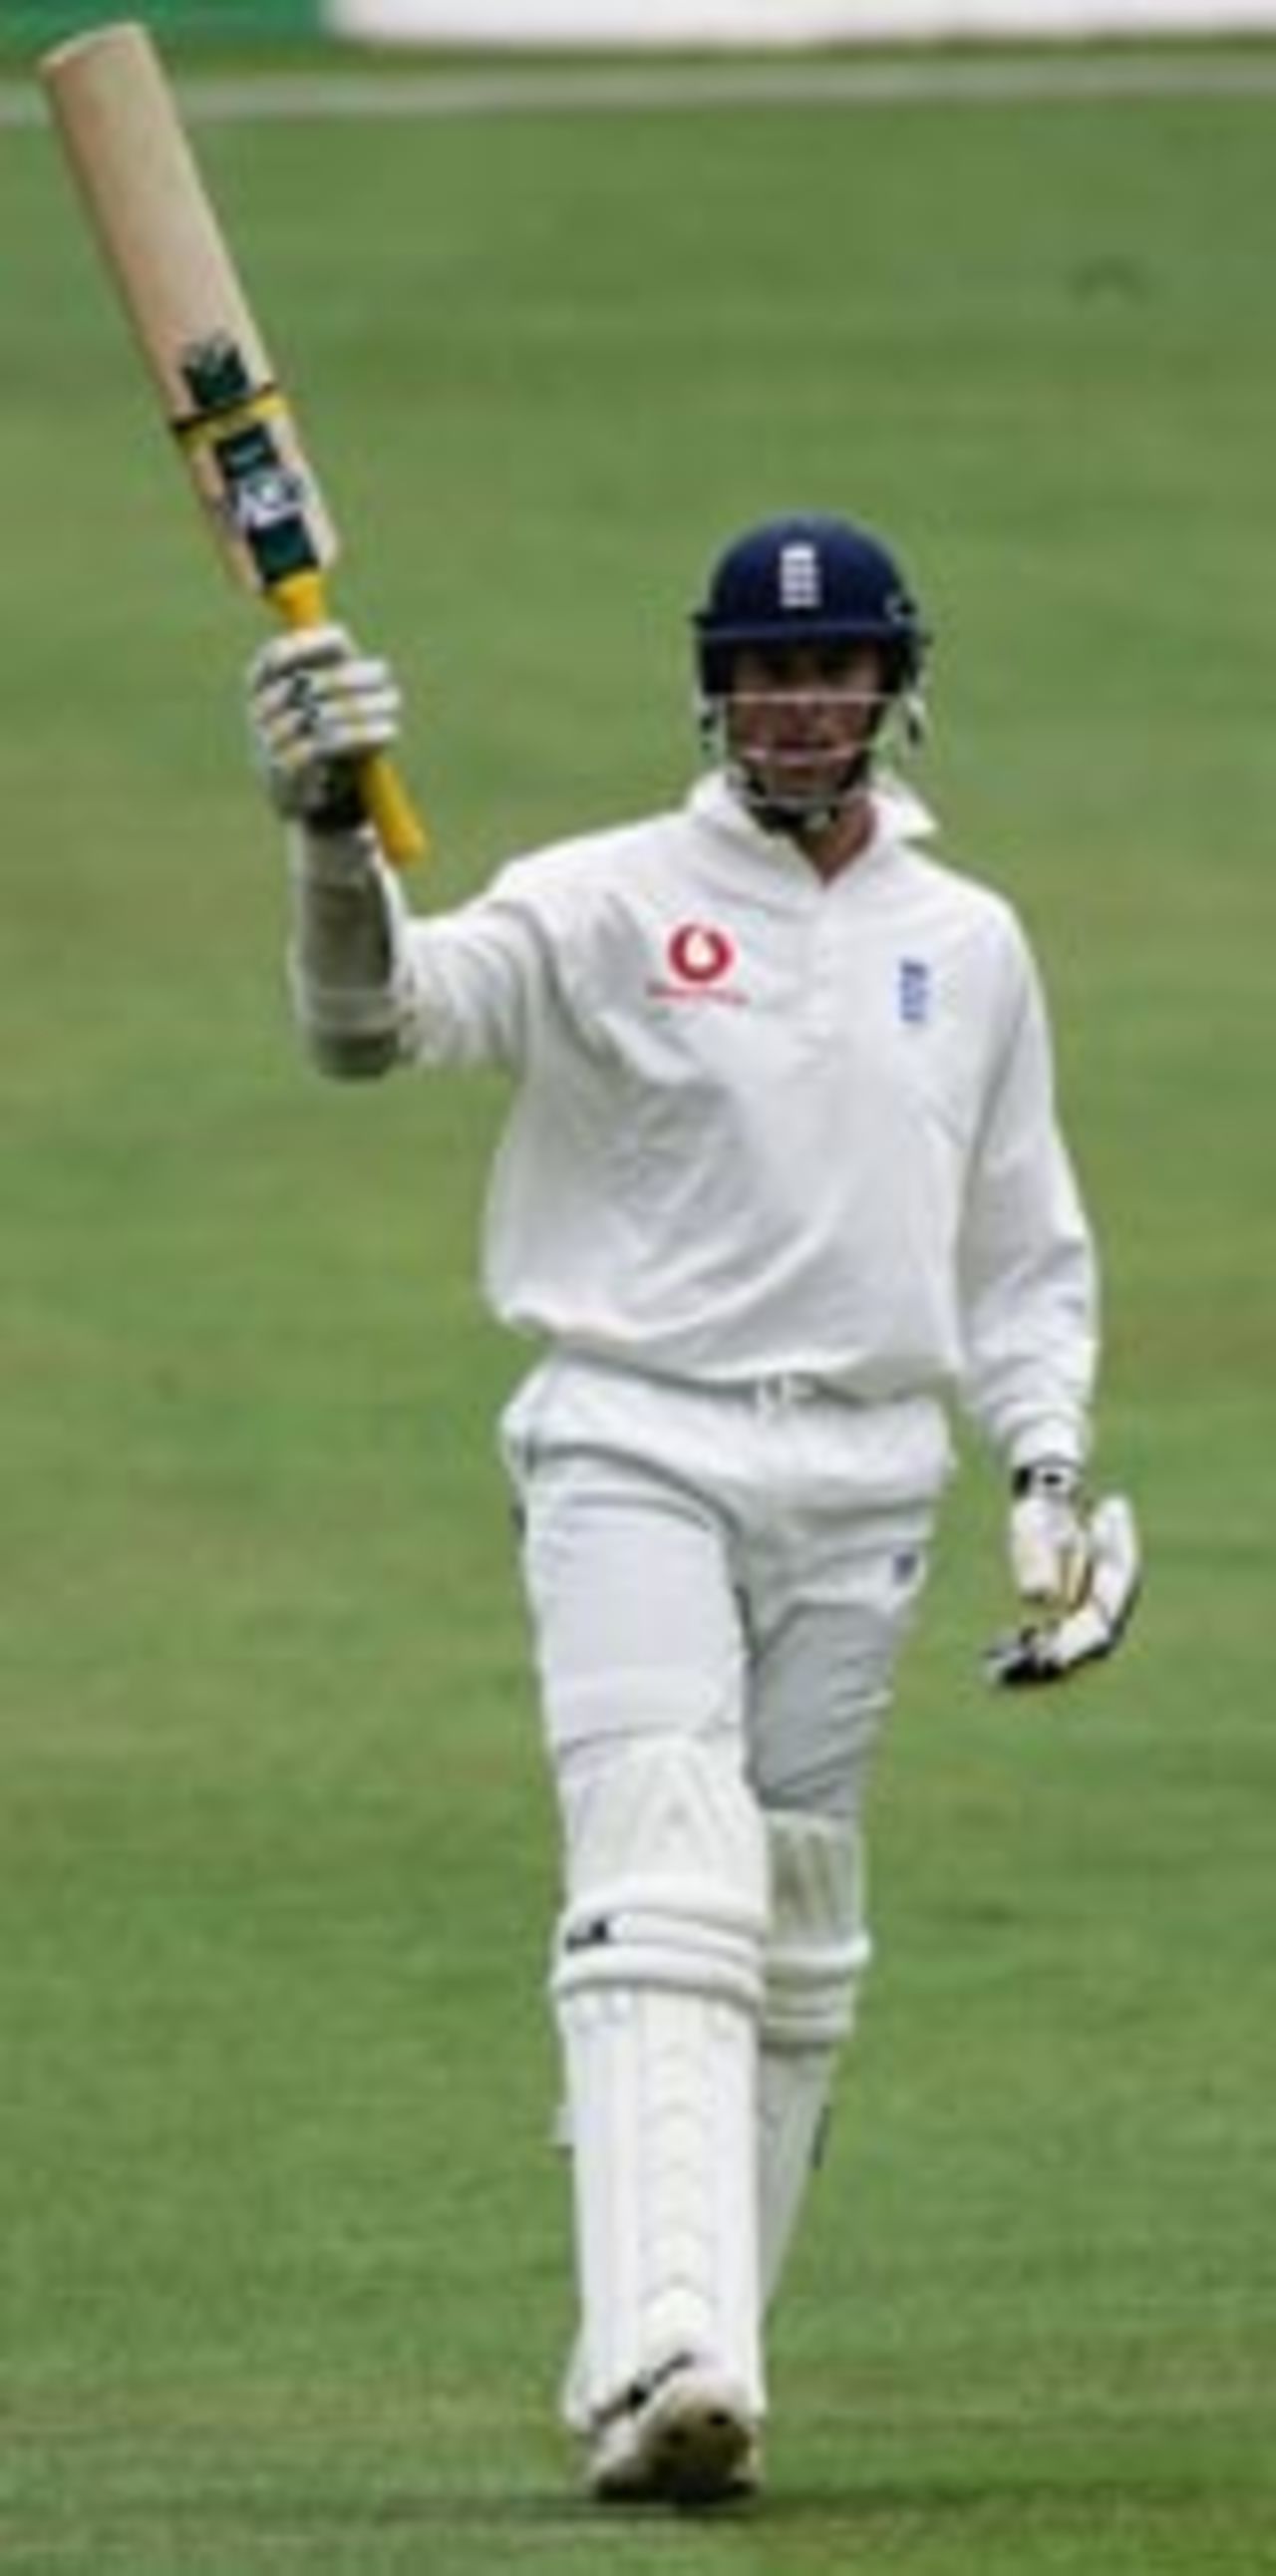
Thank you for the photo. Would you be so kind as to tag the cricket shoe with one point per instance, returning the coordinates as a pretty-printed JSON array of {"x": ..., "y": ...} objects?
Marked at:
[{"x": 686, "y": 2436}]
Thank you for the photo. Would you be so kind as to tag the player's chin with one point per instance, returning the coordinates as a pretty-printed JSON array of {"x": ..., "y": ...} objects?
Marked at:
[{"x": 799, "y": 780}]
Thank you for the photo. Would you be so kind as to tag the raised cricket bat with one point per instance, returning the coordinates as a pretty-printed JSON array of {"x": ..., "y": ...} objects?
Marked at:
[{"x": 122, "y": 134}]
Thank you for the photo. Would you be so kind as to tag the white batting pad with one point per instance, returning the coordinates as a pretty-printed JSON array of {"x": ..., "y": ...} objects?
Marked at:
[
  {"x": 816, "y": 1952},
  {"x": 657, "y": 1986}
]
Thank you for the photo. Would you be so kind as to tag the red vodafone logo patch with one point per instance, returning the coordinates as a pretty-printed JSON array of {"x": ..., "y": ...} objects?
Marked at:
[
  {"x": 699, "y": 962},
  {"x": 699, "y": 953}
]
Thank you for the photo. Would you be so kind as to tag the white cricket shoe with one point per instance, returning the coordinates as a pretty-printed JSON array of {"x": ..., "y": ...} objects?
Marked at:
[{"x": 686, "y": 2436}]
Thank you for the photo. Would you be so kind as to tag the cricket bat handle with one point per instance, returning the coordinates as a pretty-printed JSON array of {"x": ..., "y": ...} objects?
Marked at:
[{"x": 301, "y": 600}]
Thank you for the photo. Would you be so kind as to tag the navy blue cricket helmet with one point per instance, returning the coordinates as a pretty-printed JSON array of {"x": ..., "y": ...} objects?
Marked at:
[{"x": 808, "y": 579}]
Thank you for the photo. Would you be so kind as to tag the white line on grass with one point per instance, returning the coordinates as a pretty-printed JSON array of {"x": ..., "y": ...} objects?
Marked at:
[{"x": 980, "y": 80}]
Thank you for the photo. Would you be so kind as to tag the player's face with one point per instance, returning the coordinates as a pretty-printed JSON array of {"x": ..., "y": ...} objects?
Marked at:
[{"x": 798, "y": 715}]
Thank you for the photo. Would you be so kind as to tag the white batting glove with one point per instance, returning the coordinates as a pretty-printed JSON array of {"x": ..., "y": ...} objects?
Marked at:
[
  {"x": 1048, "y": 1540},
  {"x": 1077, "y": 1573},
  {"x": 316, "y": 708}
]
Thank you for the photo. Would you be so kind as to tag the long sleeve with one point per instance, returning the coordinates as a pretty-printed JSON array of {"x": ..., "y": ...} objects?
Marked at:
[{"x": 1028, "y": 1277}]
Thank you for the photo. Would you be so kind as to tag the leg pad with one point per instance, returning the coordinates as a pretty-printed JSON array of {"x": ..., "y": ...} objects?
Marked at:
[
  {"x": 817, "y": 1951},
  {"x": 657, "y": 1987}
]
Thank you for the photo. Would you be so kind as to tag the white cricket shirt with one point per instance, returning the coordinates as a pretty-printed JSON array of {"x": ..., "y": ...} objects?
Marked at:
[{"x": 767, "y": 1127}]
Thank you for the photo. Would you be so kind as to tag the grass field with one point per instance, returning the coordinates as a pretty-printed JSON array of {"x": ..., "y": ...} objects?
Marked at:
[{"x": 283, "y": 2280}]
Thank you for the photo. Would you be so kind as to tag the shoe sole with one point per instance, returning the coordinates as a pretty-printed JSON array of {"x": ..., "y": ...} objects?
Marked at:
[{"x": 695, "y": 2448}]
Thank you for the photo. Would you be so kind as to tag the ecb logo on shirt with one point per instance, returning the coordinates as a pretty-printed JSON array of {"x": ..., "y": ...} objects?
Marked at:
[{"x": 913, "y": 992}]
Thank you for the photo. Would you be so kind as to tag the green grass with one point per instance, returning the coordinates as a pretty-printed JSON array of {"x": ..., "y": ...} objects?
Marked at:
[{"x": 284, "y": 2263}]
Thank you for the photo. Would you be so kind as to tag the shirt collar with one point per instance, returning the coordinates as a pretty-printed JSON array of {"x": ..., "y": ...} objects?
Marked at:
[{"x": 899, "y": 816}]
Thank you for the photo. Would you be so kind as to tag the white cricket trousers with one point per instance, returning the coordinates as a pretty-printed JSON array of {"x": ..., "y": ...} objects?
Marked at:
[
  {"x": 720, "y": 1582},
  {"x": 740, "y": 1563}
]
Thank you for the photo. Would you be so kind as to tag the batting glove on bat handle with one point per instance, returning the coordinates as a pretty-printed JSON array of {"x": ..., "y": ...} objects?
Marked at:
[
  {"x": 1098, "y": 1573},
  {"x": 301, "y": 599},
  {"x": 322, "y": 717}
]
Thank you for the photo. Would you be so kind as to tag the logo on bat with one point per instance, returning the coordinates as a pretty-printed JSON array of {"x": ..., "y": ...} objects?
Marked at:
[{"x": 263, "y": 499}]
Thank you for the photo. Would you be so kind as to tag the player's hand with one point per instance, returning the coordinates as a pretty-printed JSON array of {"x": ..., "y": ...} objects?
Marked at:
[
  {"x": 317, "y": 707},
  {"x": 1077, "y": 1573}
]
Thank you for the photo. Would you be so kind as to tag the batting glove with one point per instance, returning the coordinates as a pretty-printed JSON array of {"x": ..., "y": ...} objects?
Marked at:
[
  {"x": 316, "y": 708},
  {"x": 1077, "y": 1573}
]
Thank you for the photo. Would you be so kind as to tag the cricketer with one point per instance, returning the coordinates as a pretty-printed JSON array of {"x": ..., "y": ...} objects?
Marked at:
[{"x": 782, "y": 1187}]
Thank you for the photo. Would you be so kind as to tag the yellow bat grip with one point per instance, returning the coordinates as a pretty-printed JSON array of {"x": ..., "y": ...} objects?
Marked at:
[{"x": 301, "y": 600}]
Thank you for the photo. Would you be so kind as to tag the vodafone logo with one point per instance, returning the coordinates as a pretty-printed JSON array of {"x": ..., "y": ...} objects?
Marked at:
[
  {"x": 699, "y": 961},
  {"x": 699, "y": 954}
]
